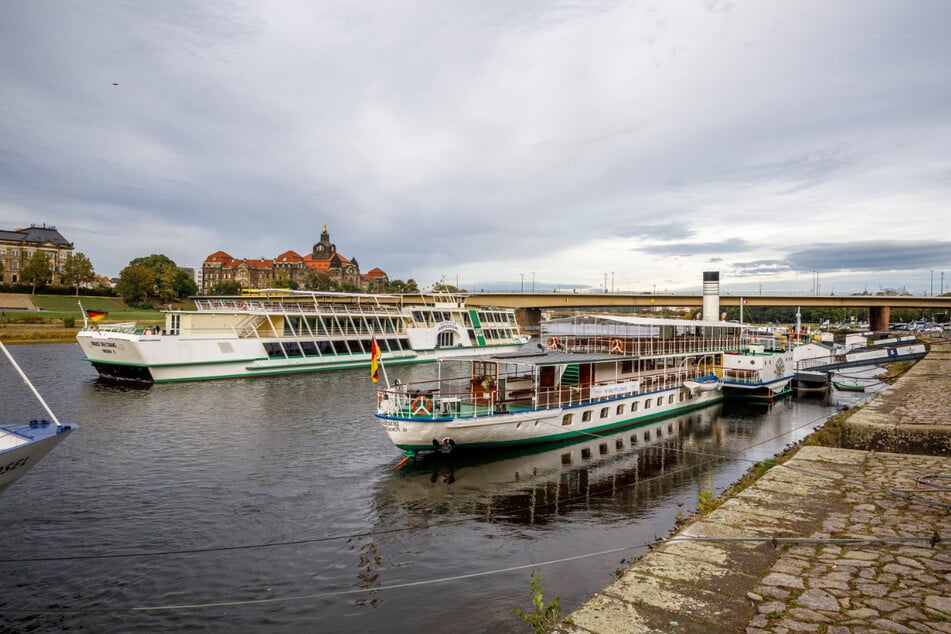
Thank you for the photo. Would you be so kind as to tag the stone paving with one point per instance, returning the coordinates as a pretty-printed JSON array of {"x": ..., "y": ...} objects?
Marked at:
[{"x": 897, "y": 579}]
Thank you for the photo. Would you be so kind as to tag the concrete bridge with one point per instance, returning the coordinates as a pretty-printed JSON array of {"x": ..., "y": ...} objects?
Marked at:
[{"x": 530, "y": 305}]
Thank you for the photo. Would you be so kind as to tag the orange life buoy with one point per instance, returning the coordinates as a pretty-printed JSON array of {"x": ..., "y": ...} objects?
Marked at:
[
  {"x": 617, "y": 345},
  {"x": 553, "y": 343},
  {"x": 422, "y": 405}
]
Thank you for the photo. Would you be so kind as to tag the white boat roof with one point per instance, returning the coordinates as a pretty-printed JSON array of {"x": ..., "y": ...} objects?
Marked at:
[
  {"x": 551, "y": 357},
  {"x": 643, "y": 321}
]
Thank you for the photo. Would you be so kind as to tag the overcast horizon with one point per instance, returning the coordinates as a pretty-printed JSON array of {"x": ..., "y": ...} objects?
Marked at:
[{"x": 622, "y": 146}]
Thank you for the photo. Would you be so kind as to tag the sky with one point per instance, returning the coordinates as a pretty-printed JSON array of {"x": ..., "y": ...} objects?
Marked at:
[{"x": 794, "y": 146}]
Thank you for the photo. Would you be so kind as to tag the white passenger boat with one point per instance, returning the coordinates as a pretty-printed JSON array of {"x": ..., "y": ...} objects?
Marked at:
[
  {"x": 591, "y": 374},
  {"x": 278, "y": 331},
  {"x": 23, "y": 444},
  {"x": 757, "y": 373}
]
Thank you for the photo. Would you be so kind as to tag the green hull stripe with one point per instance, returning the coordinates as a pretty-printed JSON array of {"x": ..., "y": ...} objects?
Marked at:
[{"x": 286, "y": 370}]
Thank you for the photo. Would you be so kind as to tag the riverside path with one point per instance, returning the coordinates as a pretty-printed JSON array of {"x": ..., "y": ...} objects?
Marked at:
[{"x": 835, "y": 540}]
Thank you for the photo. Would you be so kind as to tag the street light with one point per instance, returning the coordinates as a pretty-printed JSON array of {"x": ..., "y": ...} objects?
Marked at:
[{"x": 523, "y": 282}]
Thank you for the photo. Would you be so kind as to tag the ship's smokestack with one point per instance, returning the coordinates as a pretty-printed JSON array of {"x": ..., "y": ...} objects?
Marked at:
[{"x": 711, "y": 295}]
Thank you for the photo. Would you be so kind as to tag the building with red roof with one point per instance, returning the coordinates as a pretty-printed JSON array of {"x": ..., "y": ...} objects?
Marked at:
[{"x": 323, "y": 268}]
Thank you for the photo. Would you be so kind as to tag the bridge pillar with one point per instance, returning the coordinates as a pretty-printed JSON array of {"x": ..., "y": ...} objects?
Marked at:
[
  {"x": 529, "y": 320},
  {"x": 878, "y": 318}
]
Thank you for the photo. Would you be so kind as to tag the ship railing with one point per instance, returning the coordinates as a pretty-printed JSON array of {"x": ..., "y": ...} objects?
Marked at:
[
  {"x": 252, "y": 305},
  {"x": 126, "y": 327},
  {"x": 456, "y": 399},
  {"x": 735, "y": 375},
  {"x": 644, "y": 346}
]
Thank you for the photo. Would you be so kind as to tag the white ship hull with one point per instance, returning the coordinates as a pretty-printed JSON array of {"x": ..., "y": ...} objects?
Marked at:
[{"x": 444, "y": 431}]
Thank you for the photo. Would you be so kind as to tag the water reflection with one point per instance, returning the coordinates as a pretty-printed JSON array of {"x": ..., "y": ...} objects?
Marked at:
[{"x": 615, "y": 473}]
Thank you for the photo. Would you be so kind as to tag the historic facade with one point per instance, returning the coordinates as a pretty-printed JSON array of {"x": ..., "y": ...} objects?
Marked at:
[
  {"x": 323, "y": 260},
  {"x": 18, "y": 246}
]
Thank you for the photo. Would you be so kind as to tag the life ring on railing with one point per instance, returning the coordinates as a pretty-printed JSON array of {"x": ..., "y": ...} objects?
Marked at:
[
  {"x": 553, "y": 343},
  {"x": 617, "y": 345},
  {"x": 422, "y": 405}
]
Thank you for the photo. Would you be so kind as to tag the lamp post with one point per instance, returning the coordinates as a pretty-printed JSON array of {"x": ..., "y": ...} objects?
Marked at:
[{"x": 523, "y": 282}]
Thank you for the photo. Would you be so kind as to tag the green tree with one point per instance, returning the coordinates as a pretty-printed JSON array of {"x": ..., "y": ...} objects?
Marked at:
[
  {"x": 77, "y": 270},
  {"x": 162, "y": 268},
  {"x": 185, "y": 284},
  {"x": 226, "y": 287},
  {"x": 320, "y": 282},
  {"x": 285, "y": 282},
  {"x": 136, "y": 282},
  {"x": 37, "y": 270},
  {"x": 399, "y": 286}
]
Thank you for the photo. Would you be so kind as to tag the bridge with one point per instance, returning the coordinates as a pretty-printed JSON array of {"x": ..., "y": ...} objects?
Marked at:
[{"x": 530, "y": 305}]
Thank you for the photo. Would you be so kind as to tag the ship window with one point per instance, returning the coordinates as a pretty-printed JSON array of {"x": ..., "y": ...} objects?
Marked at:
[
  {"x": 634, "y": 406},
  {"x": 586, "y": 416},
  {"x": 670, "y": 399},
  {"x": 627, "y": 367},
  {"x": 647, "y": 404},
  {"x": 567, "y": 419},
  {"x": 605, "y": 412},
  {"x": 603, "y": 449},
  {"x": 620, "y": 409},
  {"x": 660, "y": 401},
  {"x": 586, "y": 453},
  {"x": 647, "y": 435}
]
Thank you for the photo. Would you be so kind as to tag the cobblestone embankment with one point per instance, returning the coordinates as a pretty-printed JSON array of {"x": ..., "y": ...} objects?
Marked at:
[{"x": 896, "y": 578}]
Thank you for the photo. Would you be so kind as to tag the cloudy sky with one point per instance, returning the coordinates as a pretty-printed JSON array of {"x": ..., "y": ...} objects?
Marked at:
[{"x": 500, "y": 144}]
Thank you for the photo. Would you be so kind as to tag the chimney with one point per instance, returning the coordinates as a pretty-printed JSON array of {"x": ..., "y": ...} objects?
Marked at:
[{"x": 711, "y": 295}]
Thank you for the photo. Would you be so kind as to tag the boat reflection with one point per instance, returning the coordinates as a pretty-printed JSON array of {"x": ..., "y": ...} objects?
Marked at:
[{"x": 624, "y": 472}]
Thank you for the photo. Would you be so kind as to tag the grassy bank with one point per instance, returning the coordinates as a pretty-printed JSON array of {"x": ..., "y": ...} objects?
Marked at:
[{"x": 57, "y": 318}]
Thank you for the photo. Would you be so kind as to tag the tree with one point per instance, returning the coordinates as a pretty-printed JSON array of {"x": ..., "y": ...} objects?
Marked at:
[
  {"x": 37, "y": 270},
  {"x": 320, "y": 282},
  {"x": 136, "y": 282},
  {"x": 160, "y": 265},
  {"x": 399, "y": 286},
  {"x": 225, "y": 287},
  {"x": 77, "y": 270},
  {"x": 185, "y": 285}
]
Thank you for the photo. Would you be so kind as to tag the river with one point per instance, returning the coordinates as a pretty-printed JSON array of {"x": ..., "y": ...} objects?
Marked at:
[{"x": 271, "y": 505}]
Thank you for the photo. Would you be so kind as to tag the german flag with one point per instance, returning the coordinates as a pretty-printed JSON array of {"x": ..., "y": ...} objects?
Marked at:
[
  {"x": 96, "y": 315},
  {"x": 375, "y": 354}
]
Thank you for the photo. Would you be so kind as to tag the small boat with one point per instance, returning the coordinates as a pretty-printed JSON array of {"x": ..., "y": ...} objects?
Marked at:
[
  {"x": 849, "y": 386},
  {"x": 279, "y": 331},
  {"x": 22, "y": 445},
  {"x": 758, "y": 374}
]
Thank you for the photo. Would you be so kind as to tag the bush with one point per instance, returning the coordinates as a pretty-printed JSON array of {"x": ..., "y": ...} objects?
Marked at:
[{"x": 69, "y": 322}]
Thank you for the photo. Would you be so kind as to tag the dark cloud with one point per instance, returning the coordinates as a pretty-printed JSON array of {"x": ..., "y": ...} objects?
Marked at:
[
  {"x": 726, "y": 247},
  {"x": 665, "y": 232},
  {"x": 872, "y": 256}
]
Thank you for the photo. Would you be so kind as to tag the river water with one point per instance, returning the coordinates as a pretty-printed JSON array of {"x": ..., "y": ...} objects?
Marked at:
[{"x": 271, "y": 505}]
